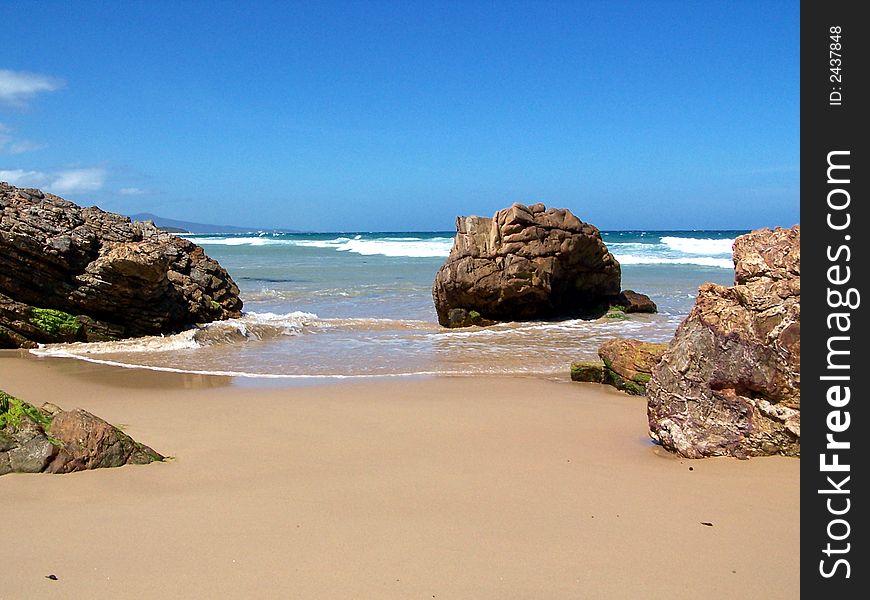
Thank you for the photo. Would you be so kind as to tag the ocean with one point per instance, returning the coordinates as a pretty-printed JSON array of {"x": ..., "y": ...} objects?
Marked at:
[{"x": 331, "y": 305}]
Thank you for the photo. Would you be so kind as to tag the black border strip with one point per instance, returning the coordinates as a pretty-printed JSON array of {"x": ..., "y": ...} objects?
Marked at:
[{"x": 835, "y": 230}]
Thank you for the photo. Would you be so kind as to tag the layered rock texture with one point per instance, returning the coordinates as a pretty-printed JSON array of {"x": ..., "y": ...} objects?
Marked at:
[
  {"x": 525, "y": 263},
  {"x": 729, "y": 383},
  {"x": 51, "y": 440},
  {"x": 81, "y": 274},
  {"x": 625, "y": 364}
]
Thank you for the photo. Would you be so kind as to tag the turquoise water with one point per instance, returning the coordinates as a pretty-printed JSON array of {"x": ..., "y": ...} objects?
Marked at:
[{"x": 360, "y": 304}]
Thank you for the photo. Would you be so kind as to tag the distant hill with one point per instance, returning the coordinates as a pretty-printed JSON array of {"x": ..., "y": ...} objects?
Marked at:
[{"x": 175, "y": 226}]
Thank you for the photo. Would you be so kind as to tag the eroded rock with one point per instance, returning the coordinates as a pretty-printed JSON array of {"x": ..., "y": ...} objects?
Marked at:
[
  {"x": 729, "y": 383},
  {"x": 526, "y": 263},
  {"x": 69, "y": 273}
]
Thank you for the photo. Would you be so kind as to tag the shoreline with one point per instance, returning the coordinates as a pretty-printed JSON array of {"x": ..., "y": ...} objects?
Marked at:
[
  {"x": 486, "y": 487},
  {"x": 260, "y": 380}
]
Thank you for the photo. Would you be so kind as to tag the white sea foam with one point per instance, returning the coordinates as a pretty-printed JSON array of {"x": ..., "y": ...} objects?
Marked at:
[
  {"x": 172, "y": 353},
  {"x": 706, "y": 246},
  {"x": 61, "y": 353},
  {"x": 632, "y": 245},
  {"x": 251, "y": 326},
  {"x": 393, "y": 247},
  {"x": 602, "y": 325},
  {"x": 157, "y": 343},
  {"x": 411, "y": 247},
  {"x": 701, "y": 261},
  {"x": 237, "y": 241},
  {"x": 706, "y": 251},
  {"x": 320, "y": 243},
  {"x": 291, "y": 319}
]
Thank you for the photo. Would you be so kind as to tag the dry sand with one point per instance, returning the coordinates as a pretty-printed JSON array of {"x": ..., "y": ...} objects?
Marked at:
[{"x": 438, "y": 488}]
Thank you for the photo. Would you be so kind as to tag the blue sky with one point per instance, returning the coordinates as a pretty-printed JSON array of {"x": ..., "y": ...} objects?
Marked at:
[{"x": 398, "y": 116}]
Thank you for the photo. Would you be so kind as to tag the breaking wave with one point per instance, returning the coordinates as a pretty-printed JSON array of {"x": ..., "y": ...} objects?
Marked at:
[
  {"x": 698, "y": 245},
  {"x": 701, "y": 261},
  {"x": 675, "y": 250},
  {"x": 250, "y": 327},
  {"x": 410, "y": 247},
  {"x": 643, "y": 250}
]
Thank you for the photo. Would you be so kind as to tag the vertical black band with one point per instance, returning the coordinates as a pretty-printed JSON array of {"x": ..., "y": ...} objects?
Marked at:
[{"x": 835, "y": 227}]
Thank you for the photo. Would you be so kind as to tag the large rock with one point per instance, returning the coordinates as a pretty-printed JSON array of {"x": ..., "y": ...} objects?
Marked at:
[
  {"x": 69, "y": 273},
  {"x": 51, "y": 440},
  {"x": 525, "y": 263},
  {"x": 729, "y": 383}
]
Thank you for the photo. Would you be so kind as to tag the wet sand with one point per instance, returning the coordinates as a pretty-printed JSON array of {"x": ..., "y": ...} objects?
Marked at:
[{"x": 392, "y": 488}]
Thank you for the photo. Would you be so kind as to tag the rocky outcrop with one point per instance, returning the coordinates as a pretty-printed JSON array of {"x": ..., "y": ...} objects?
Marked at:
[
  {"x": 729, "y": 383},
  {"x": 525, "y": 263},
  {"x": 633, "y": 302},
  {"x": 625, "y": 364},
  {"x": 69, "y": 273},
  {"x": 51, "y": 440}
]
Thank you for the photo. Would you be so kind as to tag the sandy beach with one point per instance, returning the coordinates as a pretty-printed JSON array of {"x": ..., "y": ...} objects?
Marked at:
[{"x": 391, "y": 488}]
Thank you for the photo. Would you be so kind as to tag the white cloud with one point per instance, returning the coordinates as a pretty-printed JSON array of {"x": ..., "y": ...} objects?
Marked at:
[
  {"x": 68, "y": 181},
  {"x": 17, "y": 87},
  {"x": 78, "y": 180},
  {"x": 22, "y": 178},
  {"x": 131, "y": 191},
  {"x": 22, "y": 146},
  {"x": 11, "y": 145}
]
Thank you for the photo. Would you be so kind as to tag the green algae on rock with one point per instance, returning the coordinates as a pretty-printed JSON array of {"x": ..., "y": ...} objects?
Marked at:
[
  {"x": 588, "y": 371},
  {"x": 624, "y": 363},
  {"x": 628, "y": 363},
  {"x": 55, "y": 322}
]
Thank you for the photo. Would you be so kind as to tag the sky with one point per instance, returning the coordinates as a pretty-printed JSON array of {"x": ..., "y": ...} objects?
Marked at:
[{"x": 399, "y": 116}]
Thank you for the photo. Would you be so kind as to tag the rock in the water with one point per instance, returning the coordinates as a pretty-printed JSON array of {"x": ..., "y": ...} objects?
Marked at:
[
  {"x": 459, "y": 317},
  {"x": 629, "y": 363},
  {"x": 729, "y": 383},
  {"x": 526, "y": 263},
  {"x": 52, "y": 440},
  {"x": 69, "y": 273},
  {"x": 633, "y": 302},
  {"x": 625, "y": 364},
  {"x": 588, "y": 371}
]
